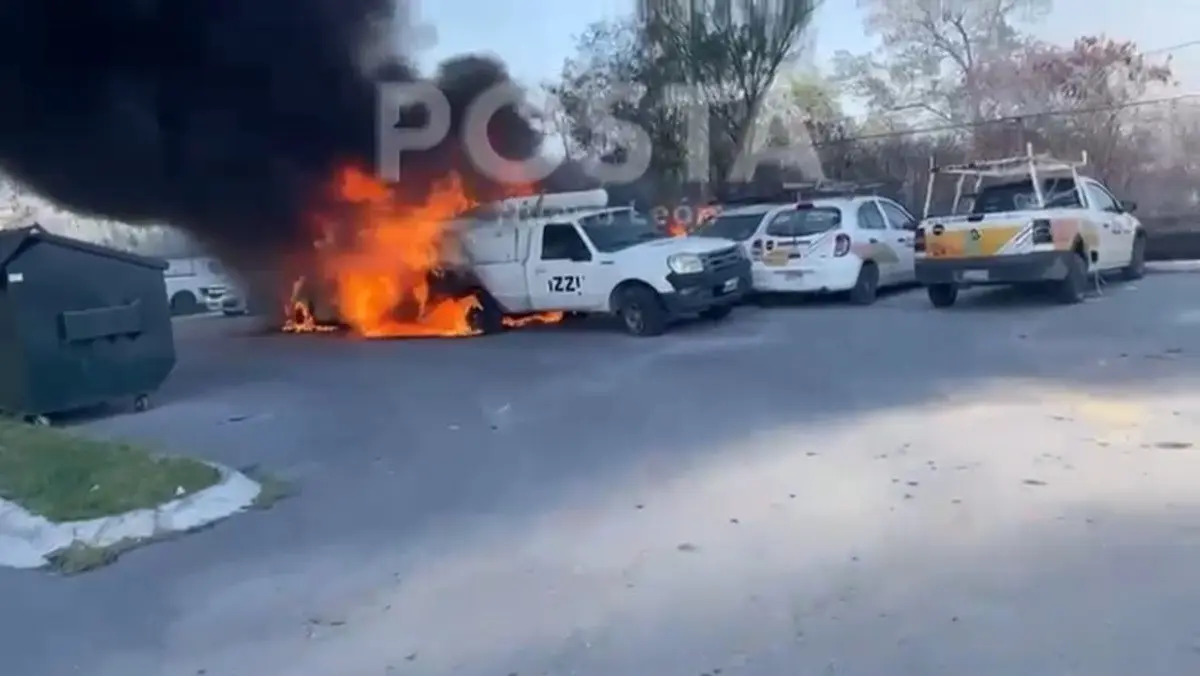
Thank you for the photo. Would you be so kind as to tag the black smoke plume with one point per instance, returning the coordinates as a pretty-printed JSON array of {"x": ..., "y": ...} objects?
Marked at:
[{"x": 226, "y": 118}]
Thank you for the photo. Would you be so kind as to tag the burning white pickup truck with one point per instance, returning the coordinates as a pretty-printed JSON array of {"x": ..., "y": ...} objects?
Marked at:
[
  {"x": 434, "y": 270},
  {"x": 571, "y": 252}
]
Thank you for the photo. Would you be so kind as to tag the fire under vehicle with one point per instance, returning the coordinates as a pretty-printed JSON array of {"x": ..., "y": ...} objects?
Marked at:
[
  {"x": 1043, "y": 224},
  {"x": 822, "y": 238},
  {"x": 572, "y": 253}
]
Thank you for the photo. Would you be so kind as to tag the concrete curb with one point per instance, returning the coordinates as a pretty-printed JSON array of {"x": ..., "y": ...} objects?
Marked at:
[{"x": 26, "y": 539}]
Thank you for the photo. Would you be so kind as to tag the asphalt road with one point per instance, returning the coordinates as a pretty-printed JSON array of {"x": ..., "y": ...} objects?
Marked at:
[{"x": 1005, "y": 488}]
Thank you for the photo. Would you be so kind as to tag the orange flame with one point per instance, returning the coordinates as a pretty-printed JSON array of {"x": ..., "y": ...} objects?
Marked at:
[
  {"x": 388, "y": 266},
  {"x": 298, "y": 317},
  {"x": 536, "y": 318},
  {"x": 381, "y": 280}
]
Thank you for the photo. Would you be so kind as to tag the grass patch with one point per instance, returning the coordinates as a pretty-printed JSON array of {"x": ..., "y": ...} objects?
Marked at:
[{"x": 64, "y": 477}]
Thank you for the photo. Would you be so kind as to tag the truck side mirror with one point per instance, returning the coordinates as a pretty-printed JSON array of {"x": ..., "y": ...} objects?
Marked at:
[{"x": 1128, "y": 206}]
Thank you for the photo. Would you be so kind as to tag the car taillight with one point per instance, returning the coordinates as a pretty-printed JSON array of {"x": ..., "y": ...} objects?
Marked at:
[
  {"x": 756, "y": 249},
  {"x": 919, "y": 241},
  {"x": 841, "y": 245},
  {"x": 1042, "y": 232}
]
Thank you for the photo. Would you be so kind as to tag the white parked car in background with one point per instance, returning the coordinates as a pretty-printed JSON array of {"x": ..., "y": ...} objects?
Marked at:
[
  {"x": 196, "y": 285},
  {"x": 855, "y": 244}
]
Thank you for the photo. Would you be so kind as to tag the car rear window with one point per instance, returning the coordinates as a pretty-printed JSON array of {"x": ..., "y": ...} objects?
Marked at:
[{"x": 803, "y": 222}]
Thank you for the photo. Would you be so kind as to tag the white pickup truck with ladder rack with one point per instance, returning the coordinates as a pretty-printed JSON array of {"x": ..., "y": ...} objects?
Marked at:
[{"x": 1043, "y": 223}]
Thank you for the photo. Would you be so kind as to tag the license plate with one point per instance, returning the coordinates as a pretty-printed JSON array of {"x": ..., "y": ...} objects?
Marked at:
[
  {"x": 975, "y": 276},
  {"x": 793, "y": 275},
  {"x": 730, "y": 285}
]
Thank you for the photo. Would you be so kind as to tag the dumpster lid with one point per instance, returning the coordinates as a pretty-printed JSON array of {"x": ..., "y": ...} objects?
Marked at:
[{"x": 12, "y": 241}]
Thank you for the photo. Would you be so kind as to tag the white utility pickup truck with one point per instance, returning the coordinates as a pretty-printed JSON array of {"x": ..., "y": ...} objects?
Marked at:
[
  {"x": 1043, "y": 224},
  {"x": 571, "y": 252}
]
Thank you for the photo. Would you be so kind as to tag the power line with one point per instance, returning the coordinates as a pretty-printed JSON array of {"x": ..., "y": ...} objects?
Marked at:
[
  {"x": 1171, "y": 48},
  {"x": 1008, "y": 120}
]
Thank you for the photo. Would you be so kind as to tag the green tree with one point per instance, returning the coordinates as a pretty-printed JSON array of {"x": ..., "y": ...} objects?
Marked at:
[
  {"x": 729, "y": 52},
  {"x": 672, "y": 58},
  {"x": 612, "y": 74}
]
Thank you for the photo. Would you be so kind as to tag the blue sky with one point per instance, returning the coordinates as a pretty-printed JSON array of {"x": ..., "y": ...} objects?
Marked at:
[{"x": 534, "y": 36}]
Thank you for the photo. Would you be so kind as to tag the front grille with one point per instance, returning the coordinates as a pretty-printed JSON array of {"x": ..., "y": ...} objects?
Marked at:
[{"x": 724, "y": 259}]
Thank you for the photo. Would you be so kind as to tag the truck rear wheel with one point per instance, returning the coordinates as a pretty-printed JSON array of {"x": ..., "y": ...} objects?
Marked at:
[
  {"x": 641, "y": 311},
  {"x": 942, "y": 295},
  {"x": 1070, "y": 289}
]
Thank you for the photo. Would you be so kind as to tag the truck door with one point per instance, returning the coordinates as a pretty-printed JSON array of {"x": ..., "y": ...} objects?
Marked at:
[
  {"x": 901, "y": 230},
  {"x": 1115, "y": 242},
  {"x": 559, "y": 274}
]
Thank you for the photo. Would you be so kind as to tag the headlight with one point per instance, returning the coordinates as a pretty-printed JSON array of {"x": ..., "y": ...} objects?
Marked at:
[{"x": 685, "y": 264}]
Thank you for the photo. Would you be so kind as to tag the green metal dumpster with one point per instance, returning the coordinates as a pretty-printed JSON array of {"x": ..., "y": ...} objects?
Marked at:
[{"x": 80, "y": 325}]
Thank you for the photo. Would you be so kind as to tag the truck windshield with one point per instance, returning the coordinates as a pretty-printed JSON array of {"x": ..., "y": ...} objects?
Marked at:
[
  {"x": 738, "y": 227},
  {"x": 611, "y": 232},
  {"x": 1020, "y": 196}
]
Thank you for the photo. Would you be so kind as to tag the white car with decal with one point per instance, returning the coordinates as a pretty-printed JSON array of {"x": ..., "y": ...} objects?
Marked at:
[
  {"x": 854, "y": 244},
  {"x": 570, "y": 252},
  {"x": 1042, "y": 224}
]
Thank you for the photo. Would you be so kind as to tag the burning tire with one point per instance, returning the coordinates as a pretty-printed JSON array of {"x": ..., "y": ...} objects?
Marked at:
[{"x": 488, "y": 318}]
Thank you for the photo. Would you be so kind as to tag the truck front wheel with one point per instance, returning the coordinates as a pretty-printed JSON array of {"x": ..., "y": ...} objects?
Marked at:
[
  {"x": 1137, "y": 259},
  {"x": 641, "y": 311}
]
